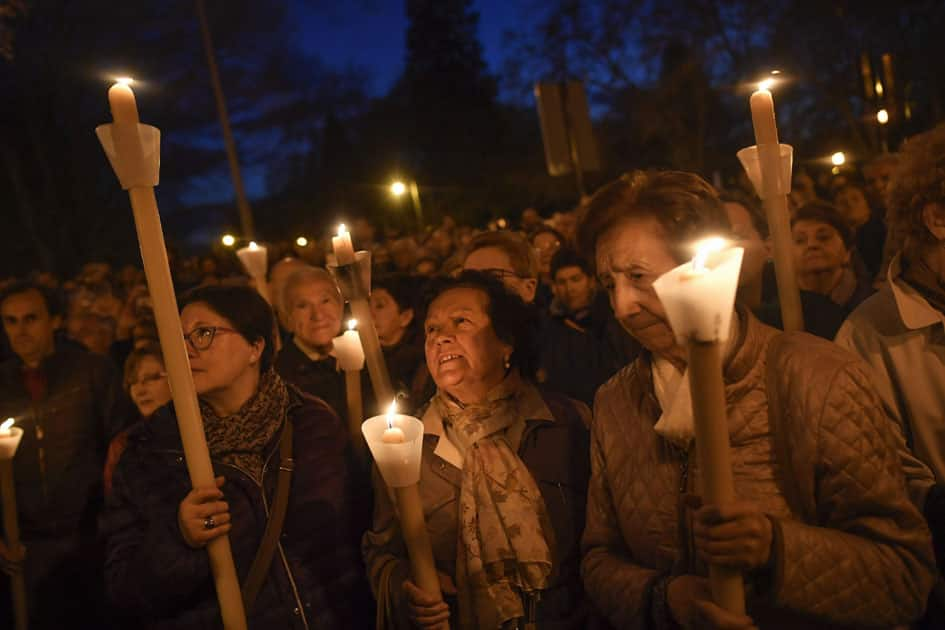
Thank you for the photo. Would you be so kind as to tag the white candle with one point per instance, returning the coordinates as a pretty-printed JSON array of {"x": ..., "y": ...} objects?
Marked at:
[
  {"x": 5, "y": 428},
  {"x": 762, "y": 116},
  {"x": 393, "y": 434},
  {"x": 254, "y": 258},
  {"x": 341, "y": 244},
  {"x": 348, "y": 349}
]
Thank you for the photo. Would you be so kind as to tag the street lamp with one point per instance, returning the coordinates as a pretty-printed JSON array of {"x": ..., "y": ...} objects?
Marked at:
[
  {"x": 228, "y": 240},
  {"x": 882, "y": 116},
  {"x": 301, "y": 241},
  {"x": 399, "y": 189}
]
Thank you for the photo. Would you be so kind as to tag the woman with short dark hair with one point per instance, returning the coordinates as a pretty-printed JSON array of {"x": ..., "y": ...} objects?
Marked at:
[
  {"x": 503, "y": 476},
  {"x": 822, "y": 528},
  {"x": 157, "y": 525}
]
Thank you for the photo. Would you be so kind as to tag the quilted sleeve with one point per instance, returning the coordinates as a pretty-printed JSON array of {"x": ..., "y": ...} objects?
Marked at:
[
  {"x": 869, "y": 560},
  {"x": 618, "y": 587}
]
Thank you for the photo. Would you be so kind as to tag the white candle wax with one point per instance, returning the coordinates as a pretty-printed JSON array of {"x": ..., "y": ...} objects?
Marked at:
[
  {"x": 6, "y": 428},
  {"x": 341, "y": 245},
  {"x": 762, "y": 117},
  {"x": 348, "y": 349},
  {"x": 393, "y": 435},
  {"x": 254, "y": 258},
  {"x": 699, "y": 296}
]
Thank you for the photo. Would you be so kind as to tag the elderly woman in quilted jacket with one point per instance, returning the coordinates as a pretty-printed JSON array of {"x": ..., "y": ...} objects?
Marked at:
[{"x": 822, "y": 528}]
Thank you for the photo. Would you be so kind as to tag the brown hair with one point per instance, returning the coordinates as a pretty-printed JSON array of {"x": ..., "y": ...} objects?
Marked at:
[
  {"x": 685, "y": 205},
  {"x": 134, "y": 360},
  {"x": 823, "y": 212},
  {"x": 516, "y": 247},
  {"x": 918, "y": 181}
]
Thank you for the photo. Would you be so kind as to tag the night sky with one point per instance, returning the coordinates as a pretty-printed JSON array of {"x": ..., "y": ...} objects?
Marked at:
[{"x": 372, "y": 34}]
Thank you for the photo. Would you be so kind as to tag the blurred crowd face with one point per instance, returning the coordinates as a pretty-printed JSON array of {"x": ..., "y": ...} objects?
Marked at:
[
  {"x": 630, "y": 257},
  {"x": 573, "y": 288},
  {"x": 362, "y": 232},
  {"x": 441, "y": 243},
  {"x": 149, "y": 388},
  {"x": 226, "y": 361},
  {"x": 278, "y": 276},
  {"x": 29, "y": 326},
  {"x": 390, "y": 321},
  {"x": 852, "y": 205},
  {"x": 757, "y": 250},
  {"x": 464, "y": 355},
  {"x": 547, "y": 245},
  {"x": 315, "y": 311},
  {"x": 818, "y": 247},
  {"x": 877, "y": 180},
  {"x": 495, "y": 261},
  {"x": 402, "y": 253},
  {"x": 530, "y": 219},
  {"x": 803, "y": 190}
]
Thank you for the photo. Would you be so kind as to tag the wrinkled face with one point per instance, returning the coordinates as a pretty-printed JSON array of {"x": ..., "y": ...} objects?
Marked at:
[
  {"x": 746, "y": 235},
  {"x": 228, "y": 358},
  {"x": 629, "y": 258},
  {"x": 573, "y": 288},
  {"x": 464, "y": 355},
  {"x": 390, "y": 321},
  {"x": 149, "y": 389},
  {"x": 315, "y": 310},
  {"x": 28, "y": 325},
  {"x": 852, "y": 205},
  {"x": 818, "y": 247},
  {"x": 546, "y": 244},
  {"x": 496, "y": 262}
]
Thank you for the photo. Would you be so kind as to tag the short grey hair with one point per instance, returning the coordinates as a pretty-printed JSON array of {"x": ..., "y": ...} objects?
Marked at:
[{"x": 308, "y": 275}]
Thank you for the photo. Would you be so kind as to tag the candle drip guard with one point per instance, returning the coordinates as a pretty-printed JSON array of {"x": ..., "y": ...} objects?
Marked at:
[{"x": 354, "y": 279}]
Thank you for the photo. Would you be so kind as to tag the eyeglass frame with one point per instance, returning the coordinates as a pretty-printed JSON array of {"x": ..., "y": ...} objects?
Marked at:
[{"x": 188, "y": 337}]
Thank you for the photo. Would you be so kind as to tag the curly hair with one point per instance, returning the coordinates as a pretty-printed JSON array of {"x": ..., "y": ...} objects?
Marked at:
[
  {"x": 512, "y": 319},
  {"x": 686, "y": 206},
  {"x": 918, "y": 181}
]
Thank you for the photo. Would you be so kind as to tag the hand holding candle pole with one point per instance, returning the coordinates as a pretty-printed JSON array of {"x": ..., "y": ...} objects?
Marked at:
[
  {"x": 396, "y": 441},
  {"x": 10, "y": 437},
  {"x": 133, "y": 151},
  {"x": 768, "y": 165},
  {"x": 699, "y": 299},
  {"x": 350, "y": 356},
  {"x": 352, "y": 272}
]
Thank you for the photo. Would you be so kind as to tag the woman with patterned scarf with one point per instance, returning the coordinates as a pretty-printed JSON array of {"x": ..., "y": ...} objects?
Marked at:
[
  {"x": 503, "y": 478},
  {"x": 157, "y": 572}
]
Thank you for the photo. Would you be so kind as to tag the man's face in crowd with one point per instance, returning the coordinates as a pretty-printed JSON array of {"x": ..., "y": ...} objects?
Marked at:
[
  {"x": 573, "y": 288},
  {"x": 29, "y": 326},
  {"x": 496, "y": 262}
]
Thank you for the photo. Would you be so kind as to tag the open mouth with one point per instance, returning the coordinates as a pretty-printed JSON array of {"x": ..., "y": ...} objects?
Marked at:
[{"x": 448, "y": 357}]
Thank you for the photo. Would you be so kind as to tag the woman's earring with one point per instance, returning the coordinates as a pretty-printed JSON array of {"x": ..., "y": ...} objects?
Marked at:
[{"x": 508, "y": 363}]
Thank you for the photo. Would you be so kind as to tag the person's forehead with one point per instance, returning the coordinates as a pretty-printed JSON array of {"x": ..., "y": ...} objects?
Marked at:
[
  {"x": 459, "y": 298},
  {"x": 24, "y": 303},
  {"x": 569, "y": 272},
  {"x": 317, "y": 286},
  {"x": 488, "y": 258},
  {"x": 631, "y": 241},
  {"x": 202, "y": 313},
  {"x": 813, "y": 225}
]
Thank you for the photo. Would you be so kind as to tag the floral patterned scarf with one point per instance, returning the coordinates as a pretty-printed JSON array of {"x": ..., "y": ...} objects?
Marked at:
[
  {"x": 239, "y": 440},
  {"x": 504, "y": 547}
]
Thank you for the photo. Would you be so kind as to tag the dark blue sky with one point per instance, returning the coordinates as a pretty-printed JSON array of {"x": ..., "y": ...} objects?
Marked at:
[{"x": 372, "y": 33}]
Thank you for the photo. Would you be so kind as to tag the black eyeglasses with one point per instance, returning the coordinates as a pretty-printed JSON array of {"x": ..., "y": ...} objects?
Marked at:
[
  {"x": 498, "y": 274},
  {"x": 201, "y": 337}
]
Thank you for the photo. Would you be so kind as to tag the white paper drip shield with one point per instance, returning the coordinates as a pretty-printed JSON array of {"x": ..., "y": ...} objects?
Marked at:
[
  {"x": 399, "y": 463},
  {"x": 134, "y": 171},
  {"x": 699, "y": 304},
  {"x": 751, "y": 162},
  {"x": 254, "y": 259},
  {"x": 9, "y": 443}
]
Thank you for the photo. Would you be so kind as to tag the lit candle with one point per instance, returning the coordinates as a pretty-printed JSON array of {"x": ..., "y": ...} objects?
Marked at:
[
  {"x": 348, "y": 350},
  {"x": 254, "y": 258},
  {"x": 5, "y": 427},
  {"x": 699, "y": 298},
  {"x": 138, "y": 175},
  {"x": 9, "y": 441},
  {"x": 341, "y": 244},
  {"x": 762, "y": 114},
  {"x": 392, "y": 434}
]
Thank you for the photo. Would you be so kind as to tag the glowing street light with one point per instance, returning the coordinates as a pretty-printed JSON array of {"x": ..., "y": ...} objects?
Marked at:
[
  {"x": 301, "y": 241},
  {"x": 398, "y": 188},
  {"x": 228, "y": 240},
  {"x": 838, "y": 158},
  {"x": 882, "y": 116}
]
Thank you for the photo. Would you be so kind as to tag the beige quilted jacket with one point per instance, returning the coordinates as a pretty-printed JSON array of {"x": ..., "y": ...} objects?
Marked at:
[{"x": 850, "y": 548}]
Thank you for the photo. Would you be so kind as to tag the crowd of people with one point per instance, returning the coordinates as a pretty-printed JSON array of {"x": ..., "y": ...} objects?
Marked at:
[{"x": 559, "y": 480}]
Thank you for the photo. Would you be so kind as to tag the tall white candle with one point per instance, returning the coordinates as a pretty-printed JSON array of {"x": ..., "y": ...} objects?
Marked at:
[
  {"x": 348, "y": 350},
  {"x": 341, "y": 245}
]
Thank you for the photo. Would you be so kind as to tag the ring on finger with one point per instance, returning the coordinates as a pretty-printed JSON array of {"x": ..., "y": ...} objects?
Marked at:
[{"x": 209, "y": 523}]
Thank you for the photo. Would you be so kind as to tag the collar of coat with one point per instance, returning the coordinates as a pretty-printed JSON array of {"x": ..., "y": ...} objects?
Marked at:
[
  {"x": 914, "y": 309},
  {"x": 531, "y": 406}
]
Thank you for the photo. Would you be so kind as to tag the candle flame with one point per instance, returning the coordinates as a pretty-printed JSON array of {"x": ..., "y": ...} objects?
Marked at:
[
  {"x": 125, "y": 81},
  {"x": 704, "y": 249},
  {"x": 390, "y": 413},
  {"x": 352, "y": 324},
  {"x": 253, "y": 246},
  {"x": 342, "y": 230},
  {"x": 5, "y": 427},
  {"x": 765, "y": 85}
]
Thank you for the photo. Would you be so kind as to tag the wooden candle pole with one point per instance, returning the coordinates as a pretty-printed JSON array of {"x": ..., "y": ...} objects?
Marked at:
[
  {"x": 355, "y": 411},
  {"x": 712, "y": 449},
  {"x": 774, "y": 197},
  {"x": 11, "y": 529},
  {"x": 414, "y": 530},
  {"x": 127, "y": 144},
  {"x": 377, "y": 367}
]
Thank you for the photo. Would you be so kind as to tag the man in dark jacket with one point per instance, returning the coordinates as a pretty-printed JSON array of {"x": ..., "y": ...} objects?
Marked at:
[
  {"x": 69, "y": 403},
  {"x": 583, "y": 344}
]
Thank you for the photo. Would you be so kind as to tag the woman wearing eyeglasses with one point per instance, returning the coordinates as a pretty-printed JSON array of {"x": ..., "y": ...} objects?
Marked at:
[{"x": 264, "y": 438}]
